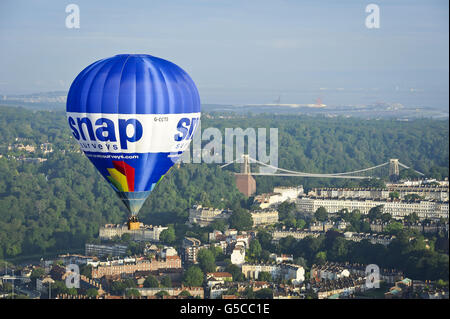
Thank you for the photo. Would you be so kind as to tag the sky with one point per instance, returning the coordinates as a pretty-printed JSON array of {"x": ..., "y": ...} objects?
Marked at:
[{"x": 241, "y": 51}]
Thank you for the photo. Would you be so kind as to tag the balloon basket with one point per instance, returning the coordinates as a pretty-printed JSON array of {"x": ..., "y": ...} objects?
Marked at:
[{"x": 133, "y": 223}]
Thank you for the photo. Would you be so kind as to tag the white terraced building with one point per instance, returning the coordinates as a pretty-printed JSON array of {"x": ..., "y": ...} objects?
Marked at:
[
  {"x": 144, "y": 233},
  {"x": 284, "y": 271},
  {"x": 398, "y": 209},
  {"x": 203, "y": 216},
  {"x": 349, "y": 193},
  {"x": 280, "y": 194},
  {"x": 428, "y": 192},
  {"x": 264, "y": 217}
]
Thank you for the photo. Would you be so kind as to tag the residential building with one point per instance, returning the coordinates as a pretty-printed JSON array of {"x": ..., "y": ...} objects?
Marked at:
[
  {"x": 264, "y": 217},
  {"x": 400, "y": 290},
  {"x": 284, "y": 271},
  {"x": 76, "y": 259},
  {"x": 293, "y": 272},
  {"x": 297, "y": 234},
  {"x": 101, "y": 250},
  {"x": 217, "y": 290},
  {"x": 341, "y": 287},
  {"x": 224, "y": 276},
  {"x": 278, "y": 196},
  {"x": 28, "y": 148},
  {"x": 175, "y": 291},
  {"x": 329, "y": 272},
  {"x": 252, "y": 271},
  {"x": 139, "y": 265},
  {"x": 426, "y": 191},
  {"x": 282, "y": 258},
  {"x": 190, "y": 248},
  {"x": 46, "y": 148},
  {"x": 372, "y": 238},
  {"x": 332, "y": 271},
  {"x": 143, "y": 233},
  {"x": 349, "y": 193},
  {"x": 238, "y": 255},
  {"x": 203, "y": 216},
  {"x": 397, "y": 208},
  {"x": 168, "y": 252}
]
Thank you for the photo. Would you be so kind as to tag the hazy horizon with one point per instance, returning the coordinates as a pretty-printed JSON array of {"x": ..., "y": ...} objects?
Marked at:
[{"x": 240, "y": 52}]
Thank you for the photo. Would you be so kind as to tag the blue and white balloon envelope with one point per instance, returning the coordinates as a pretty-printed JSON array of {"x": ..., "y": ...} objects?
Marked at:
[{"x": 133, "y": 116}]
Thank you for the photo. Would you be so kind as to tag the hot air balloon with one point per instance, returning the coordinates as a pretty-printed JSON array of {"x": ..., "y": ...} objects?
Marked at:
[{"x": 133, "y": 116}]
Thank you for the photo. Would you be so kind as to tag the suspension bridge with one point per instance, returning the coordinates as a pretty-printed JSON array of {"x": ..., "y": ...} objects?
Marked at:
[
  {"x": 246, "y": 183},
  {"x": 393, "y": 165}
]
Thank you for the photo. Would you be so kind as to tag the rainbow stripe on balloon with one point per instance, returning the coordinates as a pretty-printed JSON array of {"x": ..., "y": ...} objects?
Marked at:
[
  {"x": 122, "y": 176},
  {"x": 122, "y": 179}
]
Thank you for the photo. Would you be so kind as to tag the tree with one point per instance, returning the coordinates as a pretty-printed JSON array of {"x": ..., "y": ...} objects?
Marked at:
[
  {"x": 364, "y": 227},
  {"x": 58, "y": 287},
  {"x": 320, "y": 258},
  {"x": 249, "y": 293},
  {"x": 394, "y": 195},
  {"x": 37, "y": 273},
  {"x": 193, "y": 277},
  {"x": 339, "y": 250},
  {"x": 290, "y": 222},
  {"x": 265, "y": 293},
  {"x": 161, "y": 294},
  {"x": 412, "y": 218},
  {"x": 301, "y": 223},
  {"x": 126, "y": 238},
  {"x": 330, "y": 238},
  {"x": 166, "y": 281},
  {"x": 255, "y": 248},
  {"x": 375, "y": 213},
  {"x": 265, "y": 255},
  {"x": 219, "y": 224},
  {"x": 86, "y": 270},
  {"x": 217, "y": 251},
  {"x": 394, "y": 228},
  {"x": 321, "y": 214},
  {"x": 72, "y": 291},
  {"x": 412, "y": 197},
  {"x": 300, "y": 261},
  {"x": 287, "y": 244},
  {"x": 206, "y": 260},
  {"x": 132, "y": 293},
  {"x": 151, "y": 282},
  {"x": 386, "y": 217},
  {"x": 168, "y": 235},
  {"x": 185, "y": 293},
  {"x": 265, "y": 239},
  {"x": 92, "y": 293},
  {"x": 236, "y": 272},
  {"x": 265, "y": 276},
  {"x": 286, "y": 210},
  {"x": 119, "y": 287},
  {"x": 241, "y": 220}
]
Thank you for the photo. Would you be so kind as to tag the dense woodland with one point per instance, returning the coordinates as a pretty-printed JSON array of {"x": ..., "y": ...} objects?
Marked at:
[{"x": 57, "y": 205}]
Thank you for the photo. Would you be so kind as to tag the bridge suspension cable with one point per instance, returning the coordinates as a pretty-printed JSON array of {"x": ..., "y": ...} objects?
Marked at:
[
  {"x": 286, "y": 172},
  {"x": 404, "y": 166},
  {"x": 222, "y": 166},
  {"x": 318, "y": 174},
  {"x": 296, "y": 173}
]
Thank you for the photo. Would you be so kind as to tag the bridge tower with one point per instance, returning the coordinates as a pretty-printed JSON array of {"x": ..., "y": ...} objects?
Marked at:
[
  {"x": 245, "y": 166},
  {"x": 394, "y": 171},
  {"x": 245, "y": 182}
]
